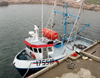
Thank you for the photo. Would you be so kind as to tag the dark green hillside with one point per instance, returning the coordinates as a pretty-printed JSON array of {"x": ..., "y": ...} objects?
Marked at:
[{"x": 92, "y": 2}]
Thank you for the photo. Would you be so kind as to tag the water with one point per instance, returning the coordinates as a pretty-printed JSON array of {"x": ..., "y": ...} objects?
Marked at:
[{"x": 17, "y": 20}]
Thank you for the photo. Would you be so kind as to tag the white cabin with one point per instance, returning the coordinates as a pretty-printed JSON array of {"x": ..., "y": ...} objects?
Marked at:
[{"x": 39, "y": 49}]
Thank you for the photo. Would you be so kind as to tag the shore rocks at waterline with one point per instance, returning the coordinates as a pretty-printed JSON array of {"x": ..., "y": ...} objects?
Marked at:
[
  {"x": 3, "y": 3},
  {"x": 73, "y": 3}
]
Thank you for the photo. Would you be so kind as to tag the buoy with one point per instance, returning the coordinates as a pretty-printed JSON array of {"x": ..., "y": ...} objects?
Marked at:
[{"x": 33, "y": 56}]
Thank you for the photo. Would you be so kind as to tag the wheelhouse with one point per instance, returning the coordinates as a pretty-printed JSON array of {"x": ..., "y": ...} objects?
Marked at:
[{"x": 39, "y": 49}]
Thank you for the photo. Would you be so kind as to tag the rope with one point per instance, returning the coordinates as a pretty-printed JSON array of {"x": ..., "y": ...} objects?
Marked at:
[
  {"x": 27, "y": 70},
  {"x": 70, "y": 64},
  {"x": 69, "y": 48}
]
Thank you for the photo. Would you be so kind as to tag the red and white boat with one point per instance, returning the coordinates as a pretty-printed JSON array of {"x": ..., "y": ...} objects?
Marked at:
[{"x": 41, "y": 52}]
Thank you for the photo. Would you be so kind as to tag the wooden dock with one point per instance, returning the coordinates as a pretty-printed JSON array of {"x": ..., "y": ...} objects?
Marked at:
[{"x": 58, "y": 69}]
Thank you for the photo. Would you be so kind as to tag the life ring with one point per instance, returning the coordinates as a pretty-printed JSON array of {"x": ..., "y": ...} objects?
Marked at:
[{"x": 33, "y": 56}]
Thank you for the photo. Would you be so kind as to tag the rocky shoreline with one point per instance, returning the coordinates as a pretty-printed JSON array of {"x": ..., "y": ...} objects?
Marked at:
[
  {"x": 3, "y": 3},
  {"x": 73, "y": 3}
]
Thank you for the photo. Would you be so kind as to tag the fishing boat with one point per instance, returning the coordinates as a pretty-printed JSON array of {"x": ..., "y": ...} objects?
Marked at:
[{"x": 43, "y": 51}]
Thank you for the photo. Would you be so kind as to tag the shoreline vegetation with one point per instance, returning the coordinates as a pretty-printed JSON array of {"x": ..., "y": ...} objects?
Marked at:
[{"x": 88, "y": 5}]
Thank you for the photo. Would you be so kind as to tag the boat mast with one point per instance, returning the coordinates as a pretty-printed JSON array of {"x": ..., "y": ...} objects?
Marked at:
[
  {"x": 42, "y": 19},
  {"x": 65, "y": 23},
  {"x": 66, "y": 15}
]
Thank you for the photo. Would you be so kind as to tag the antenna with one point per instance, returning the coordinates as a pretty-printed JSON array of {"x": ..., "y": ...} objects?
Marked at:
[
  {"x": 34, "y": 35},
  {"x": 36, "y": 29}
]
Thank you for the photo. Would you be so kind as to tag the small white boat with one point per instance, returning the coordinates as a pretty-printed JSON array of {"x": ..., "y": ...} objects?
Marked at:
[{"x": 41, "y": 52}]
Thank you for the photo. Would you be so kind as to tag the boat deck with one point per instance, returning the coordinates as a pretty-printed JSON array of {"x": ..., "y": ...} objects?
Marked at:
[
  {"x": 68, "y": 50},
  {"x": 92, "y": 65}
]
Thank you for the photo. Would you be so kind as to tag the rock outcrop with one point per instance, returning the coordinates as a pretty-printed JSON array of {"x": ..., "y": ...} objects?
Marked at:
[
  {"x": 73, "y": 3},
  {"x": 3, "y": 3}
]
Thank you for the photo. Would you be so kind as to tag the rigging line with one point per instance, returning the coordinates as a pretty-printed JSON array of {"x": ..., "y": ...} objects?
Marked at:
[
  {"x": 74, "y": 12},
  {"x": 63, "y": 22},
  {"x": 76, "y": 23},
  {"x": 73, "y": 9},
  {"x": 58, "y": 8},
  {"x": 70, "y": 30},
  {"x": 79, "y": 14},
  {"x": 61, "y": 28},
  {"x": 46, "y": 13},
  {"x": 69, "y": 48},
  {"x": 91, "y": 33},
  {"x": 58, "y": 17},
  {"x": 52, "y": 13},
  {"x": 62, "y": 10},
  {"x": 53, "y": 16}
]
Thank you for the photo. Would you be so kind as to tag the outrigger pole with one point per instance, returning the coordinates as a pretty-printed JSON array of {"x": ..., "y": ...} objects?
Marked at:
[{"x": 79, "y": 32}]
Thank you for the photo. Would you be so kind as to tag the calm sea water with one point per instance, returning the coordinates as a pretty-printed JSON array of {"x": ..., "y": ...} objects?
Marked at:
[{"x": 17, "y": 20}]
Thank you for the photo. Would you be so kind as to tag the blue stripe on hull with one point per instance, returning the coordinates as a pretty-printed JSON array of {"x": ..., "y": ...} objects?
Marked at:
[
  {"x": 31, "y": 71},
  {"x": 22, "y": 71}
]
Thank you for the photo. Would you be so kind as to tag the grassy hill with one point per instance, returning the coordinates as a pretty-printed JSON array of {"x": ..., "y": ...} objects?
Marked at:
[{"x": 92, "y": 2}]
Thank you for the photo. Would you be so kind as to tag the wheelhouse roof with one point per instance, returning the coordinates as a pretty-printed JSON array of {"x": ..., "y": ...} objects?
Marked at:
[{"x": 36, "y": 44}]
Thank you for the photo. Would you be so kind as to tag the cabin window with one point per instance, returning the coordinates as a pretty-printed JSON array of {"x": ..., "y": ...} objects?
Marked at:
[
  {"x": 39, "y": 50},
  {"x": 35, "y": 50},
  {"x": 49, "y": 49},
  {"x": 29, "y": 47}
]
